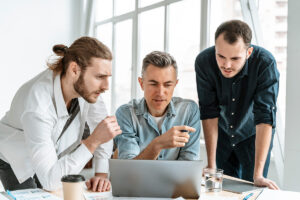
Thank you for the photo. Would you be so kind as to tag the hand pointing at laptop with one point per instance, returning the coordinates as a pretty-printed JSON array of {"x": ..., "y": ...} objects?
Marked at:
[{"x": 177, "y": 136}]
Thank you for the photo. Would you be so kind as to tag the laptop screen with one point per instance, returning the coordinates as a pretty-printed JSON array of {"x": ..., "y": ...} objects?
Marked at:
[{"x": 155, "y": 178}]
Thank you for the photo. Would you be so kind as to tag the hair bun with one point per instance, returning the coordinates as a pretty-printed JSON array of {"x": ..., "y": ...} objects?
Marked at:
[{"x": 60, "y": 49}]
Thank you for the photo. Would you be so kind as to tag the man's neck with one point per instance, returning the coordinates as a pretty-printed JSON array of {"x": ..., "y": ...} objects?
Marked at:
[
  {"x": 67, "y": 90},
  {"x": 156, "y": 113}
]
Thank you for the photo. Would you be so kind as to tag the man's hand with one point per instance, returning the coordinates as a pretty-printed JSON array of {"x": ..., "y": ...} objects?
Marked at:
[
  {"x": 263, "y": 182},
  {"x": 99, "y": 183},
  {"x": 106, "y": 130},
  {"x": 177, "y": 136}
]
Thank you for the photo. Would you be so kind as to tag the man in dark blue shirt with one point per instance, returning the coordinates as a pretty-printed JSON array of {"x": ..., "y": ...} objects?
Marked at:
[{"x": 237, "y": 86}]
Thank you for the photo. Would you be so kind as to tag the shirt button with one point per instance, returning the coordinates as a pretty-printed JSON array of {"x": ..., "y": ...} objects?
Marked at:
[
  {"x": 233, "y": 145},
  {"x": 233, "y": 99},
  {"x": 232, "y": 113},
  {"x": 231, "y": 126},
  {"x": 273, "y": 107},
  {"x": 232, "y": 135},
  {"x": 233, "y": 83}
]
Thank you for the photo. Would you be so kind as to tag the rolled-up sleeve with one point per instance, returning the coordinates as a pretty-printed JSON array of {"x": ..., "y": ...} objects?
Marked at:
[
  {"x": 128, "y": 142},
  {"x": 191, "y": 151},
  {"x": 97, "y": 112},
  {"x": 208, "y": 103},
  {"x": 265, "y": 97},
  {"x": 38, "y": 129}
]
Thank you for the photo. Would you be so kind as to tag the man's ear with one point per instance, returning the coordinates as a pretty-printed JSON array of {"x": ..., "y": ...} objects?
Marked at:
[
  {"x": 141, "y": 83},
  {"x": 249, "y": 52},
  {"x": 73, "y": 69}
]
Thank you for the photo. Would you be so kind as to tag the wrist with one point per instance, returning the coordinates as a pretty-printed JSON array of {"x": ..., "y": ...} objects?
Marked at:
[
  {"x": 258, "y": 170},
  {"x": 156, "y": 145},
  {"x": 257, "y": 176},
  {"x": 211, "y": 162},
  {"x": 211, "y": 165},
  {"x": 90, "y": 144}
]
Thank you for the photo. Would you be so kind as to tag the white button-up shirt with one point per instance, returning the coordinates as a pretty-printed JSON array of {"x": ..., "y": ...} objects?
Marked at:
[{"x": 30, "y": 129}]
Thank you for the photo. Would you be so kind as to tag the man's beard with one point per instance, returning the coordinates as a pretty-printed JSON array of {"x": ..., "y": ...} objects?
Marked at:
[{"x": 81, "y": 89}]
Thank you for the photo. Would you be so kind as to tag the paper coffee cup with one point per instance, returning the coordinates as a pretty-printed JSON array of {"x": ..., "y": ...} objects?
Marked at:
[{"x": 73, "y": 187}]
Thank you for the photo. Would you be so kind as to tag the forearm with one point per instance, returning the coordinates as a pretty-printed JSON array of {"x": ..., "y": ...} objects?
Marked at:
[
  {"x": 151, "y": 152},
  {"x": 262, "y": 145},
  {"x": 210, "y": 129}
]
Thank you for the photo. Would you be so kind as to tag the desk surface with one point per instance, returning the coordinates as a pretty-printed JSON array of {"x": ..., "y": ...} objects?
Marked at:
[
  {"x": 228, "y": 194},
  {"x": 204, "y": 195}
]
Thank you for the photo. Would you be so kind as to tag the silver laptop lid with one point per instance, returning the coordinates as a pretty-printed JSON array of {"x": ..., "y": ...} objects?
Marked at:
[{"x": 155, "y": 178}]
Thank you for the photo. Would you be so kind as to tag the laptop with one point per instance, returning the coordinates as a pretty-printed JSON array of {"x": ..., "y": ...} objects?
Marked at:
[{"x": 155, "y": 178}]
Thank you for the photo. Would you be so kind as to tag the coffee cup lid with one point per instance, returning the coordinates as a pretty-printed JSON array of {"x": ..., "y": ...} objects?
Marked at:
[{"x": 73, "y": 178}]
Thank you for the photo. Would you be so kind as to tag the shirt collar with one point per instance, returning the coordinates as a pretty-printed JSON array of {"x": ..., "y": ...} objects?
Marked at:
[
  {"x": 59, "y": 99},
  {"x": 245, "y": 69},
  {"x": 143, "y": 110}
]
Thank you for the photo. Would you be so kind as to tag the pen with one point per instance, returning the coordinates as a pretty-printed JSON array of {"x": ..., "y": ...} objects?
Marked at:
[
  {"x": 10, "y": 194},
  {"x": 259, "y": 193},
  {"x": 248, "y": 196}
]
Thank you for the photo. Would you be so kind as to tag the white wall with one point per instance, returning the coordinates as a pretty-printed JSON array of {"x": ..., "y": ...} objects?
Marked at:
[
  {"x": 28, "y": 30},
  {"x": 292, "y": 136}
]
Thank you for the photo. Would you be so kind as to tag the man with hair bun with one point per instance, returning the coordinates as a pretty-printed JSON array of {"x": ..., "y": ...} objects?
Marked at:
[
  {"x": 237, "y": 85},
  {"x": 57, "y": 122}
]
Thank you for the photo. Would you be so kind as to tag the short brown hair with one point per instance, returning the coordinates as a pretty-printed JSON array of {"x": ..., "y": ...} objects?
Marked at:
[
  {"x": 159, "y": 59},
  {"x": 233, "y": 30},
  {"x": 81, "y": 52}
]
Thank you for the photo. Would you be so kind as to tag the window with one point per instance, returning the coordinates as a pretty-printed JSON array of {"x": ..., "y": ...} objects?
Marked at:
[
  {"x": 144, "y": 3},
  {"x": 103, "y": 9},
  {"x": 184, "y": 43},
  {"x": 132, "y": 33},
  {"x": 174, "y": 26},
  {"x": 151, "y": 31},
  {"x": 273, "y": 19},
  {"x": 104, "y": 34},
  {"x": 122, "y": 70},
  {"x": 217, "y": 16},
  {"x": 124, "y": 6}
]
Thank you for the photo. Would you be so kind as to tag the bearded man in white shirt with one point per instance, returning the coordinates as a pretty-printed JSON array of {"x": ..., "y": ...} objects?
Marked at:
[{"x": 57, "y": 122}]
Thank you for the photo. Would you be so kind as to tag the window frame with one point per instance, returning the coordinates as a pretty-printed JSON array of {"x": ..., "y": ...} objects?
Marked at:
[{"x": 136, "y": 62}]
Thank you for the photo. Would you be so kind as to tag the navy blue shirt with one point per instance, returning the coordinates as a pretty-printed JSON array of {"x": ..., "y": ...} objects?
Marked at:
[{"x": 241, "y": 102}]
